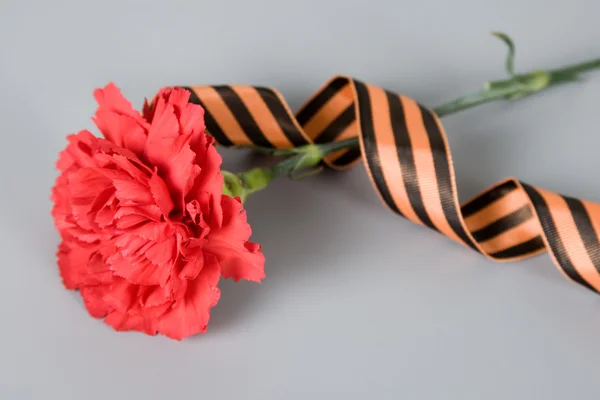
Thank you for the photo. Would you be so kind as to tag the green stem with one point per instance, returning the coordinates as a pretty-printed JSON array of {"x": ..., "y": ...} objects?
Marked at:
[{"x": 245, "y": 183}]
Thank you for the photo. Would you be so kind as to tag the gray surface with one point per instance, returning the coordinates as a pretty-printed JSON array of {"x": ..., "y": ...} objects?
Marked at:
[{"x": 357, "y": 303}]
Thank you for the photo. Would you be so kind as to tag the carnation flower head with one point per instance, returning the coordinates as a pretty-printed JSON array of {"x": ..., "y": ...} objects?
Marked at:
[{"x": 146, "y": 231}]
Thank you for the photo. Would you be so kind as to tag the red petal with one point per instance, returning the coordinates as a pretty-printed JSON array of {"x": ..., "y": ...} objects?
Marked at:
[
  {"x": 137, "y": 319},
  {"x": 164, "y": 126},
  {"x": 170, "y": 152},
  {"x": 132, "y": 192},
  {"x": 72, "y": 263},
  {"x": 190, "y": 315},
  {"x": 176, "y": 286},
  {"x": 210, "y": 179},
  {"x": 191, "y": 117},
  {"x": 194, "y": 211},
  {"x": 78, "y": 152},
  {"x": 110, "y": 98},
  {"x": 122, "y": 130},
  {"x": 98, "y": 271},
  {"x": 129, "y": 221},
  {"x": 134, "y": 139},
  {"x": 179, "y": 98},
  {"x": 87, "y": 183},
  {"x": 140, "y": 270},
  {"x": 192, "y": 265},
  {"x": 151, "y": 296},
  {"x": 135, "y": 169},
  {"x": 86, "y": 236},
  {"x": 122, "y": 295},
  {"x": 61, "y": 210},
  {"x": 163, "y": 253},
  {"x": 105, "y": 217},
  {"x": 239, "y": 258},
  {"x": 93, "y": 298},
  {"x": 118, "y": 121},
  {"x": 178, "y": 170},
  {"x": 161, "y": 195},
  {"x": 84, "y": 186},
  {"x": 150, "y": 107},
  {"x": 142, "y": 261},
  {"x": 149, "y": 211},
  {"x": 103, "y": 208},
  {"x": 153, "y": 231}
]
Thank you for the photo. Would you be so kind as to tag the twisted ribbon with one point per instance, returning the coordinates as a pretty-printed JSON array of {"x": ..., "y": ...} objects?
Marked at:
[{"x": 406, "y": 153}]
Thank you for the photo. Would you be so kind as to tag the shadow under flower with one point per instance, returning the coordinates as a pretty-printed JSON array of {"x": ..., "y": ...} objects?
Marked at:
[{"x": 292, "y": 224}]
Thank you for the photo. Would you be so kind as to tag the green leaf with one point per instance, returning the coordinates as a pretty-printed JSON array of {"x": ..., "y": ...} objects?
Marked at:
[
  {"x": 296, "y": 175},
  {"x": 510, "y": 58}
]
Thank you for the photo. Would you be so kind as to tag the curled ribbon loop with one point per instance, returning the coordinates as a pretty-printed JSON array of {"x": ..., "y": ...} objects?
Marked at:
[{"x": 406, "y": 153}]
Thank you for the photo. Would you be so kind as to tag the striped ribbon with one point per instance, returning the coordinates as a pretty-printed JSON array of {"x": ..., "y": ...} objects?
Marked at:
[{"x": 406, "y": 153}]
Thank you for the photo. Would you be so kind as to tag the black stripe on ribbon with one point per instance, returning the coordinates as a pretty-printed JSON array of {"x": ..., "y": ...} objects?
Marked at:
[
  {"x": 441, "y": 163},
  {"x": 348, "y": 157},
  {"x": 556, "y": 245},
  {"x": 503, "y": 224},
  {"x": 310, "y": 109},
  {"x": 211, "y": 125},
  {"x": 407, "y": 160},
  {"x": 586, "y": 229},
  {"x": 282, "y": 116},
  {"x": 531, "y": 246},
  {"x": 337, "y": 126},
  {"x": 487, "y": 198},
  {"x": 368, "y": 136},
  {"x": 243, "y": 116}
]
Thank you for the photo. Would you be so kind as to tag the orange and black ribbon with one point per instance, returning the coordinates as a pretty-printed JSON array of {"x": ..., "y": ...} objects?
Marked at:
[{"x": 406, "y": 153}]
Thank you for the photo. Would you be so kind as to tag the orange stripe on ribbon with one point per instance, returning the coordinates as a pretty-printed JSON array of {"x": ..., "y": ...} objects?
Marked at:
[
  {"x": 265, "y": 120},
  {"x": 223, "y": 116}
]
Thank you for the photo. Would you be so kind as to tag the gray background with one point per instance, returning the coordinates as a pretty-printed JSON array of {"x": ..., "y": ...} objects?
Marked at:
[{"x": 357, "y": 303}]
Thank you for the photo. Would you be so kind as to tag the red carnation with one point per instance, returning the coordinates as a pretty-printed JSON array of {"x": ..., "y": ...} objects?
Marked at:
[{"x": 146, "y": 233}]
